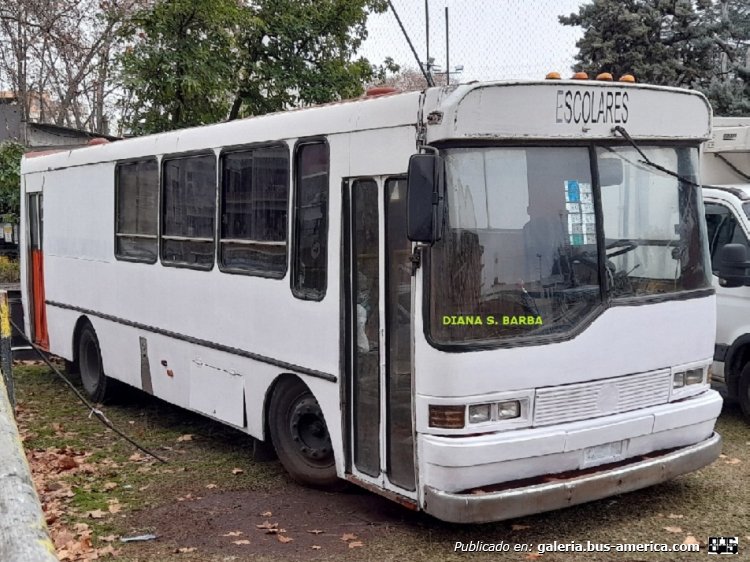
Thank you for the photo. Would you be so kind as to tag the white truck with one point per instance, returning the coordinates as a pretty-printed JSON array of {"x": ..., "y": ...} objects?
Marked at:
[{"x": 726, "y": 195}]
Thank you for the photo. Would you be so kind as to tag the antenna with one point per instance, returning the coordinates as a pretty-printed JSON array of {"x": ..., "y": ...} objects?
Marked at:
[
  {"x": 426, "y": 75},
  {"x": 447, "y": 51}
]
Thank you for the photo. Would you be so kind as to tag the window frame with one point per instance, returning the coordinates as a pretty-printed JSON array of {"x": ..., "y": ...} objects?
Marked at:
[
  {"x": 220, "y": 208},
  {"x": 164, "y": 161},
  {"x": 607, "y": 301},
  {"x": 116, "y": 234},
  {"x": 306, "y": 293}
]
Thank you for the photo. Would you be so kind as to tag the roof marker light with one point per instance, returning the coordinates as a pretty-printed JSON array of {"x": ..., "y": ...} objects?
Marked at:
[
  {"x": 627, "y": 78},
  {"x": 552, "y": 76},
  {"x": 604, "y": 76},
  {"x": 580, "y": 76}
]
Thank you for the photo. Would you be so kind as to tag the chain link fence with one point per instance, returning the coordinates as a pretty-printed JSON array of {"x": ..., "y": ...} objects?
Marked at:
[{"x": 488, "y": 39}]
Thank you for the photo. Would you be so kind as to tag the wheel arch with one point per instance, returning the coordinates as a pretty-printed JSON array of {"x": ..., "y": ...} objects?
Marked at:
[{"x": 737, "y": 357}]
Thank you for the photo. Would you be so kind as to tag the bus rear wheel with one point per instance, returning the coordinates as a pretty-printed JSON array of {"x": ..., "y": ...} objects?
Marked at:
[
  {"x": 95, "y": 382},
  {"x": 300, "y": 436}
]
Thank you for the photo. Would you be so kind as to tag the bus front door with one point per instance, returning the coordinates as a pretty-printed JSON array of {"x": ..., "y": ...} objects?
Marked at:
[{"x": 379, "y": 374}]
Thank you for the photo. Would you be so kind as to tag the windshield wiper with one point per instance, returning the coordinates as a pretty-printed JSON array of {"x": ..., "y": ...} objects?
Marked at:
[{"x": 646, "y": 160}]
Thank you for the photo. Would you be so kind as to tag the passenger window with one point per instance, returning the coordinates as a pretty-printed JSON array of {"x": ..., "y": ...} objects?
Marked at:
[
  {"x": 136, "y": 194},
  {"x": 723, "y": 228},
  {"x": 188, "y": 210},
  {"x": 254, "y": 200},
  {"x": 309, "y": 274}
]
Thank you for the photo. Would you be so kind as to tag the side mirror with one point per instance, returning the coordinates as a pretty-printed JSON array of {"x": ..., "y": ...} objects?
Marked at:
[
  {"x": 425, "y": 198},
  {"x": 733, "y": 266}
]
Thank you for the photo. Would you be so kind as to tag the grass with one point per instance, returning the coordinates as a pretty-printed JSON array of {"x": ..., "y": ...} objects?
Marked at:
[{"x": 710, "y": 502}]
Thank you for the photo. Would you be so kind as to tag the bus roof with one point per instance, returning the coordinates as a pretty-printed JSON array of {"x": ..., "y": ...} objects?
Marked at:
[{"x": 508, "y": 110}]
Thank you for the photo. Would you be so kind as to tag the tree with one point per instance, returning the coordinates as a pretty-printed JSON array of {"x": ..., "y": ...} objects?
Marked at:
[
  {"x": 690, "y": 43},
  {"x": 302, "y": 52},
  {"x": 10, "y": 180},
  {"x": 57, "y": 58},
  {"x": 201, "y": 61},
  {"x": 182, "y": 66}
]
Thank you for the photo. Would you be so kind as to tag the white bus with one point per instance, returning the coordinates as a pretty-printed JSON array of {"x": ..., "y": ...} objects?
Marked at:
[{"x": 517, "y": 319}]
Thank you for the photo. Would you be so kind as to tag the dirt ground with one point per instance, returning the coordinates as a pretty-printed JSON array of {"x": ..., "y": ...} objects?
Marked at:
[{"x": 213, "y": 503}]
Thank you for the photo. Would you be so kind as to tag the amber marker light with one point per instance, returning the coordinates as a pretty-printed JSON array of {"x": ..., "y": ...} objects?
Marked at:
[
  {"x": 552, "y": 76},
  {"x": 580, "y": 76},
  {"x": 447, "y": 417},
  {"x": 604, "y": 76},
  {"x": 627, "y": 78}
]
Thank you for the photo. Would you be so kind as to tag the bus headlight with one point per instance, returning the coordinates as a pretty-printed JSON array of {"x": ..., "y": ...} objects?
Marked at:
[
  {"x": 509, "y": 410},
  {"x": 691, "y": 376},
  {"x": 480, "y": 413}
]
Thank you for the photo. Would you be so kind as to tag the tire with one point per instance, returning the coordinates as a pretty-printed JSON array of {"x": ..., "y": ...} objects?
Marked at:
[
  {"x": 743, "y": 391},
  {"x": 96, "y": 384},
  {"x": 300, "y": 436}
]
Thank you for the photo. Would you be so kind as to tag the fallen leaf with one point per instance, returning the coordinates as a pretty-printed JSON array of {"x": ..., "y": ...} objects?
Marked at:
[
  {"x": 108, "y": 538},
  {"x": 237, "y": 471},
  {"x": 533, "y": 556},
  {"x": 211, "y": 486},
  {"x": 66, "y": 462},
  {"x": 316, "y": 547},
  {"x": 733, "y": 461},
  {"x": 187, "y": 549},
  {"x": 96, "y": 514},
  {"x": 241, "y": 541},
  {"x": 266, "y": 514},
  {"x": 136, "y": 457},
  {"x": 266, "y": 525},
  {"x": 690, "y": 539},
  {"x": 520, "y": 527},
  {"x": 315, "y": 531},
  {"x": 674, "y": 516},
  {"x": 356, "y": 544},
  {"x": 673, "y": 529},
  {"x": 348, "y": 537},
  {"x": 109, "y": 486},
  {"x": 115, "y": 508},
  {"x": 186, "y": 437},
  {"x": 285, "y": 539},
  {"x": 232, "y": 534}
]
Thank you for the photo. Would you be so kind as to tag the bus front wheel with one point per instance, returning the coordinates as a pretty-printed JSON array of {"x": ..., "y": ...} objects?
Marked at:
[
  {"x": 300, "y": 436},
  {"x": 743, "y": 391},
  {"x": 95, "y": 382}
]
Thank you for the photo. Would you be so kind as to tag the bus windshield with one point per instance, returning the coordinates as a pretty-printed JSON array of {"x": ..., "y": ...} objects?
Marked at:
[{"x": 520, "y": 256}]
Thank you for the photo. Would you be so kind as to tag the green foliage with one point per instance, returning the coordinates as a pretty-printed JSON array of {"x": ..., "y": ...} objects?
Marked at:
[
  {"x": 201, "y": 61},
  {"x": 701, "y": 44},
  {"x": 10, "y": 180},
  {"x": 183, "y": 64}
]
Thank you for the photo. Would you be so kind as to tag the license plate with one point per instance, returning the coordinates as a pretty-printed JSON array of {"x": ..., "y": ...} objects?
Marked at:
[{"x": 602, "y": 454}]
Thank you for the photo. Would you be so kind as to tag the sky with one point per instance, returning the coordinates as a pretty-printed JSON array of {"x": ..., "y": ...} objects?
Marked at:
[{"x": 491, "y": 39}]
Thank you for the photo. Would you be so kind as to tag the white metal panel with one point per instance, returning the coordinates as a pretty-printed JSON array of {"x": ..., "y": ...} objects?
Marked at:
[
  {"x": 664, "y": 334},
  {"x": 571, "y": 109}
]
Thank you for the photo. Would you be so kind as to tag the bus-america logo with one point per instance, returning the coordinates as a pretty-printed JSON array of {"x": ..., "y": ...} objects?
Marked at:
[{"x": 590, "y": 106}]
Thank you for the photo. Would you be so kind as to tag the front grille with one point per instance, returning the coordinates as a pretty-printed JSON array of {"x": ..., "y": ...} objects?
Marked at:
[{"x": 581, "y": 401}]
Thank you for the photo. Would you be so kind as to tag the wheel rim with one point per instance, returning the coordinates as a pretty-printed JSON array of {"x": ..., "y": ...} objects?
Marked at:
[
  {"x": 309, "y": 432},
  {"x": 89, "y": 363}
]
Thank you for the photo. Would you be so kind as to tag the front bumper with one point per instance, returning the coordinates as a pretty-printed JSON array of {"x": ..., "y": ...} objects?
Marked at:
[{"x": 517, "y": 502}]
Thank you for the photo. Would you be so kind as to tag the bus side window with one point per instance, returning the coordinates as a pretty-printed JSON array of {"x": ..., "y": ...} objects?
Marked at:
[
  {"x": 309, "y": 253},
  {"x": 254, "y": 201},
  {"x": 136, "y": 194},
  {"x": 188, "y": 207},
  {"x": 723, "y": 228}
]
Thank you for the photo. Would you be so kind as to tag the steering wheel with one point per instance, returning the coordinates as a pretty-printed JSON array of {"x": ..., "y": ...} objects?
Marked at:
[{"x": 624, "y": 246}]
